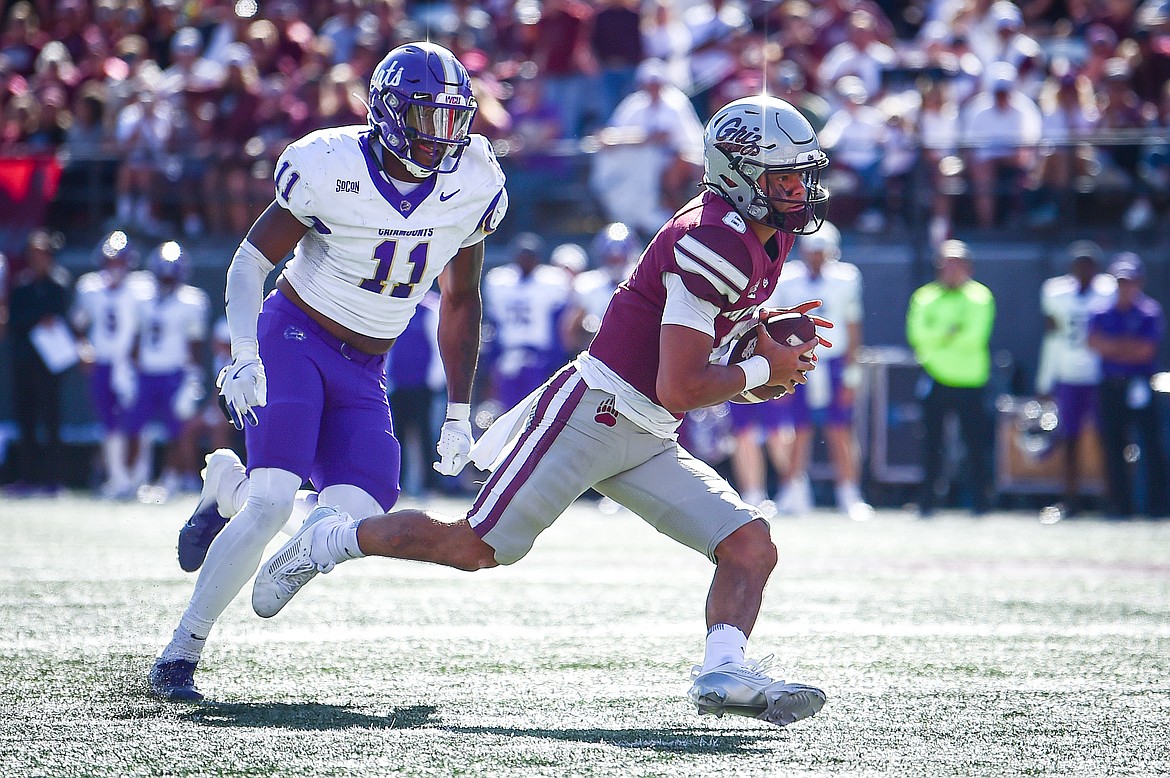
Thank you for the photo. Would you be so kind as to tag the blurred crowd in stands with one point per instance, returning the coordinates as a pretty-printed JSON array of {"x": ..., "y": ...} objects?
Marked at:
[{"x": 165, "y": 111}]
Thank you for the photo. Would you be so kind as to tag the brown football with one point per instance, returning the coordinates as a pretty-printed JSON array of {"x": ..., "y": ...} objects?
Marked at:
[{"x": 792, "y": 329}]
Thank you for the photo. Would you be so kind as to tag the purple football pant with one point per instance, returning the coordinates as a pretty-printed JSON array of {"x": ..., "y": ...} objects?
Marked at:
[
  {"x": 1076, "y": 407},
  {"x": 101, "y": 396},
  {"x": 766, "y": 416},
  {"x": 327, "y": 418},
  {"x": 836, "y": 414},
  {"x": 156, "y": 402}
]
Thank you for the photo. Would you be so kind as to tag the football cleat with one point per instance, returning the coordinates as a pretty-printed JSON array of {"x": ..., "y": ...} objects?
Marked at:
[
  {"x": 743, "y": 689},
  {"x": 174, "y": 680},
  {"x": 282, "y": 576},
  {"x": 205, "y": 523}
]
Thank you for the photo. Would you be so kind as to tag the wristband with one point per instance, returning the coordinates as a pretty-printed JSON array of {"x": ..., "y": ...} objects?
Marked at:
[
  {"x": 851, "y": 376},
  {"x": 244, "y": 349},
  {"x": 756, "y": 371},
  {"x": 458, "y": 411}
]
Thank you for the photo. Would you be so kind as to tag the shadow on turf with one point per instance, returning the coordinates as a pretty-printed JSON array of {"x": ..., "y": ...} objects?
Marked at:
[
  {"x": 683, "y": 741},
  {"x": 305, "y": 716}
]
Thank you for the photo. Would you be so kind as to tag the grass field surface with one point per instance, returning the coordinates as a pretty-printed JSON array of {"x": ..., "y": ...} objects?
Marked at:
[{"x": 950, "y": 647}]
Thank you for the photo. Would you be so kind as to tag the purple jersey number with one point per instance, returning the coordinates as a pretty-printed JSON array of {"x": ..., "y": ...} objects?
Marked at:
[{"x": 385, "y": 254}]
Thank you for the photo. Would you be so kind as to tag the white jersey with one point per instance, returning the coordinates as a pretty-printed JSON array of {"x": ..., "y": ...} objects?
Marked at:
[
  {"x": 1068, "y": 358},
  {"x": 525, "y": 309},
  {"x": 838, "y": 287},
  {"x": 168, "y": 325},
  {"x": 109, "y": 314},
  {"x": 373, "y": 252},
  {"x": 592, "y": 290}
]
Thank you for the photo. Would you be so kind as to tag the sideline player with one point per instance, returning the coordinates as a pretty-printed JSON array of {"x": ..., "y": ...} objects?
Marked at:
[
  {"x": 822, "y": 275},
  {"x": 169, "y": 351},
  {"x": 1069, "y": 371},
  {"x": 105, "y": 310},
  {"x": 609, "y": 419},
  {"x": 375, "y": 215}
]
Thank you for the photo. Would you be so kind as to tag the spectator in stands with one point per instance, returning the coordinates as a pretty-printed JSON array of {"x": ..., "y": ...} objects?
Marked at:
[
  {"x": 938, "y": 133},
  {"x": 39, "y": 304},
  {"x": 1122, "y": 122},
  {"x": 190, "y": 71},
  {"x": 21, "y": 40},
  {"x": 1015, "y": 47},
  {"x": 949, "y": 325},
  {"x": 532, "y": 165},
  {"x": 1069, "y": 371},
  {"x": 861, "y": 55},
  {"x": 1069, "y": 118},
  {"x": 343, "y": 28},
  {"x": 665, "y": 37},
  {"x": 565, "y": 59},
  {"x": 1127, "y": 336},
  {"x": 616, "y": 41},
  {"x": 1002, "y": 128},
  {"x": 651, "y": 153},
  {"x": 1102, "y": 47},
  {"x": 1150, "y": 65},
  {"x": 854, "y": 136},
  {"x": 237, "y": 102},
  {"x": 142, "y": 132},
  {"x": 716, "y": 29}
]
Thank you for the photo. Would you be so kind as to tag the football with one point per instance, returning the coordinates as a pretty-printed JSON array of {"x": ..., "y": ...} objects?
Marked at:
[{"x": 790, "y": 328}]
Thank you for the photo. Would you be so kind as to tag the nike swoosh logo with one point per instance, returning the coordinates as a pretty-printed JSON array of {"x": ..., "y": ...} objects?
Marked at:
[
  {"x": 237, "y": 373},
  {"x": 444, "y": 197}
]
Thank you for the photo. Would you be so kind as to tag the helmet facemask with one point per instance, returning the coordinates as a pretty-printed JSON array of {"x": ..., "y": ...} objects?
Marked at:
[
  {"x": 421, "y": 108},
  {"x": 795, "y": 216}
]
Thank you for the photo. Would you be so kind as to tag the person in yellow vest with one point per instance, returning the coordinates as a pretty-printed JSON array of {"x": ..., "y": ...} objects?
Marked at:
[{"x": 949, "y": 327}]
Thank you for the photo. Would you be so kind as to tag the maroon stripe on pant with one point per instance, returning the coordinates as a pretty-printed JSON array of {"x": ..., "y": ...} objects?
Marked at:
[
  {"x": 542, "y": 447},
  {"x": 542, "y": 404}
]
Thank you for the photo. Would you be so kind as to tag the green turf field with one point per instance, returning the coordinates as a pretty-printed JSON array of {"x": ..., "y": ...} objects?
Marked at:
[{"x": 955, "y": 647}]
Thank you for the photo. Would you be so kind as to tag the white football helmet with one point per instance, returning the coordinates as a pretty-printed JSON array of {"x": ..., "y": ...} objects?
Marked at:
[
  {"x": 826, "y": 240},
  {"x": 763, "y": 134}
]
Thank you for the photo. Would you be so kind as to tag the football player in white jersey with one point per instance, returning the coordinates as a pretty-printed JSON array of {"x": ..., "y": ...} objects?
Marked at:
[
  {"x": 373, "y": 215},
  {"x": 170, "y": 341},
  {"x": 831, "y": 388},
  {"x": 524, "y": 300},
  {"x": 615, "y": 250},
  {"x": 1069, "y": 371},
  {"x": 105, "y": 310}
]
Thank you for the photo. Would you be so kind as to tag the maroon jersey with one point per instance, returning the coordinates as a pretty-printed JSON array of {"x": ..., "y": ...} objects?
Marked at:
[{"x": 709, "y": 246}]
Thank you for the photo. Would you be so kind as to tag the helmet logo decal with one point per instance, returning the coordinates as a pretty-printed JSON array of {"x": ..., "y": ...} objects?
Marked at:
[
  {"x": 390, "y": 76},
  {"x": 745, "y": 140}
]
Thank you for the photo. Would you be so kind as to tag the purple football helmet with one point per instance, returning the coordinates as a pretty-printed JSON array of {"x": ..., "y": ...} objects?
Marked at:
[
  {"x": 421, "y": 107},
  {"x": 169, "y": 263}
]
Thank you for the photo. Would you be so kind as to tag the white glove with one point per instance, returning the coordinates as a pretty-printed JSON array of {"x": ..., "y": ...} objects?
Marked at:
[
  {"x": 454, "y": 440},
  {"x": 243, "y": 386},
  {"x": 124, "y": 383}
]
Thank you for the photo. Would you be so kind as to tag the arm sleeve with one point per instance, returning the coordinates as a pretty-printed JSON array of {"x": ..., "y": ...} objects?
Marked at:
[
  {"x": 245, "y": 293},
  {"x": 685, "y": 309}
]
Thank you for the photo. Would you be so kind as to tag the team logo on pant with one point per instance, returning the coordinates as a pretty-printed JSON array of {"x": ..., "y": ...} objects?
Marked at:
[
  {"x": 292, "y": 333},
  {"x": 606, "y": 413}
]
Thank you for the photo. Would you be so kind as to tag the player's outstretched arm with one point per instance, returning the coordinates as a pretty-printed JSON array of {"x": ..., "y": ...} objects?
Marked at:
[
  {"x": 271, "y": 238},
  {"x": 460, "y": 312}
]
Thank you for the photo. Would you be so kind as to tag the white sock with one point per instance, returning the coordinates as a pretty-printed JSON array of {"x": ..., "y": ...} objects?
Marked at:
[
  {"x": 188, "y": 639},
  {"x": 725, "y": 643},
  {"x": 235, "y": 555},
  {"x": 340, "y": 541},
  {"x": 847, "y": 494},
  {"x": 114, "y": 458}
]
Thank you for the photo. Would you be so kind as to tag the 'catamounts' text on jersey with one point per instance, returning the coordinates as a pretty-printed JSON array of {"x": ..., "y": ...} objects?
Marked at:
[{"x": 372, "y": 252}]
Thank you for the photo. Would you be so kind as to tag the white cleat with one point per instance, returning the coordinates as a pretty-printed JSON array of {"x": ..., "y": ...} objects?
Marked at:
[
  {"x": 796, "y": 498},
  {"x": 744, "y": 690},
  {"x": 850, "y": 503},
  {"x": 282, "y": 576}
]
